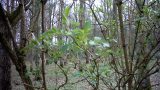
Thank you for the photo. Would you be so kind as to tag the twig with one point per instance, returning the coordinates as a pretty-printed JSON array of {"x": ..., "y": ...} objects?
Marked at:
[
  {"x": 80, "y": 80},
  {"x": 66, "y": 77}
]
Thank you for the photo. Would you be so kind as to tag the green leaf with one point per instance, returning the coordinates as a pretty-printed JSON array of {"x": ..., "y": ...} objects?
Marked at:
[
  {"x": 65, "y": 15},
  {"x": 64, "y": 47},
  {"x": 106, "y": 44},
  {"x": 87, "y": 25},
  {"x": 68, "y": 33},
  {"x": 48, "y": 34},
  {"x": 109, "y": 51},
  {"x": 74, "y": 24},
  {"x": 92, "y": 43},
  {"x": 64, "y": 19},
  {"x": 77, "y": 74},
  {"x": 67, "y": 11},
  {"x": 97, "y": 38},
  {"x": 34, "y": 42}
]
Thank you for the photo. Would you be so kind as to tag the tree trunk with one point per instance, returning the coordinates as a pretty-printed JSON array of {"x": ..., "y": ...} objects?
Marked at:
[
  {"x": 60, "y": 26},
  {"x": 5, "y": 64},
  {"x": 8, "y": 52},
  {"x": 43, "y": 2},
  {"x": 123, "y": 42},
  {"x": 5, "y": 67}
]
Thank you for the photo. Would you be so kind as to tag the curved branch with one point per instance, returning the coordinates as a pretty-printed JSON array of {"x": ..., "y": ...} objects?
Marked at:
[{"x": 66, "y": 77}]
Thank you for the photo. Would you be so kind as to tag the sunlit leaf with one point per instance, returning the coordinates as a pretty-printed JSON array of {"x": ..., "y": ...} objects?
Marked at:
[
  {"x": 91, "y": 42},
  {"x": 97, "y": 38},
  {"x": 67, "y": 11},
  {"x": 106, "y": 44}
]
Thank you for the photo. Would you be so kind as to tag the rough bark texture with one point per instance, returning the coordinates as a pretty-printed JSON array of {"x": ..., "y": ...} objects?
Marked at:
[
  {"x": 155, "y": 81},
  {"x": 5, "y": 64},
  {"x": 13, "y": 53},
  {"x": 5, "y": 70}
]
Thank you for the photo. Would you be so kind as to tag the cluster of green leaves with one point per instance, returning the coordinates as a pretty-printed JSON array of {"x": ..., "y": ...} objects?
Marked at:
[{"x": 75, "y": 40}]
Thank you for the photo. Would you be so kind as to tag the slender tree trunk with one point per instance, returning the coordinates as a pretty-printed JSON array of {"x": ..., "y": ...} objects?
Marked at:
[
  {"x": 82, "y": 22},
  {"x": 123, "y": 43},
  {"x": 43, "y": 51},
  {"x": 35, "y": 28},
  {"x": 60, "y": 25},
  {"x": 23, "y": 27}
]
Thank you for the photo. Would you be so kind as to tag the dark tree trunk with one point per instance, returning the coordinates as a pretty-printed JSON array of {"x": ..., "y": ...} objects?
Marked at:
[
  {"x": 5, "y": 64},
  {"x": 5, "y": 70},
  {"x": 7, "y": 52}
]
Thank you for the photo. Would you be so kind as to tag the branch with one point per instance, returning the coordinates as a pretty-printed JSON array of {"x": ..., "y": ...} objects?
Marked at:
[
  {"x": 80, "y": 80},
  {"x": 66, "y": 77},
  {"x": 16, "y": 15}
]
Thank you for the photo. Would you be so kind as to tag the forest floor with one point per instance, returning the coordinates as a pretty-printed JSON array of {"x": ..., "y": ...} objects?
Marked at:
[
  {"x": 54, "y": 78},
  {"x": 74, "y": 83}
]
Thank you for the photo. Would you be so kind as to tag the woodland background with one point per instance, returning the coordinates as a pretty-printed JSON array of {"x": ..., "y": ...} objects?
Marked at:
[{"x": 79, "y": 44}]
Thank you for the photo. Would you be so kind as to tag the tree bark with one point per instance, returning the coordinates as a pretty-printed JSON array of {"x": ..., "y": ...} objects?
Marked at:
[
  {"x": 123, "y": 42},
  {"x": 13, "y": 53},
  {"x": 43, "y": 51},
  {"x": 5, "y": 64},
  {"x": 5, "y": 69}
]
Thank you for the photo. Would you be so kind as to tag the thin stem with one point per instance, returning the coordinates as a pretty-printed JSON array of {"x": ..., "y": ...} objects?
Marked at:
[{"x": 43, "y": 51}]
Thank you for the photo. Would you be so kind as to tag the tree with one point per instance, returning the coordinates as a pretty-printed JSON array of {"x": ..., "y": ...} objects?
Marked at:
[
  {"x": 115, "y": 43},
  {"x": 15, "y": 54},
  {"x": 43, "y": 50},
  {"x": 5, "y": 63}
]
